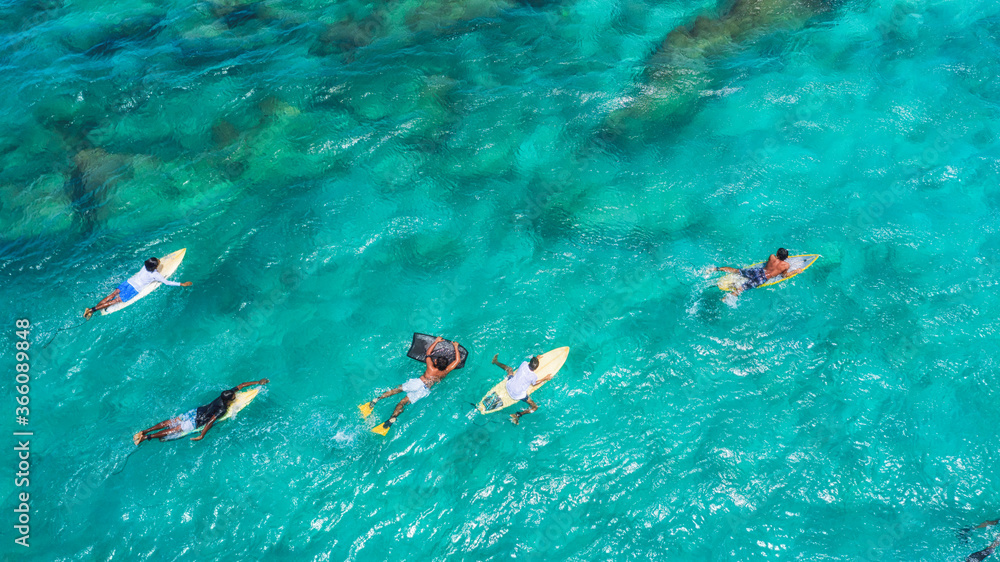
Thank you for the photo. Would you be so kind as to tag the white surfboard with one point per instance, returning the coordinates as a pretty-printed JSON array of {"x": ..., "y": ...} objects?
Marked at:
[
  {"x": 168, "y": 265},
  {"x": 497, "y": 398}
]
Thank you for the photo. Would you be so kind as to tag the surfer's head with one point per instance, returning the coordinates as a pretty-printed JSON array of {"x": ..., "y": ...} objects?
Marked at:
[
  {"x": 152, "y": 264},
  {"x": 228, "y": 395},
  {"x": 533, "y": 364},
  {"x": 782, "y": 254},
  {"x": 441, "y": 362}
]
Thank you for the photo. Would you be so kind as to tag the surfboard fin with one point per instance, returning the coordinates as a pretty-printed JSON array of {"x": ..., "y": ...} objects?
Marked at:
[
  {"x": 382, "y": 428},
  {"x": 366, "y": 409}
]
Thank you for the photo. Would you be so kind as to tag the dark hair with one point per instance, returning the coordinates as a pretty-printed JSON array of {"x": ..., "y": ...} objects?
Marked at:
[
  {"x": 441, "y": 362},
  {"x": 782, "y": 254},
  {"x": 533, "y": 364},
  {"x": 228, "y": 395},
  {"x": 152, "y": 264}
]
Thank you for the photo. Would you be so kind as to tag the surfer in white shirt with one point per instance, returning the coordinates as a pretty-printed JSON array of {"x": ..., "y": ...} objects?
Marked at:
[
  {"x": 518, "y": 383},
  {"x": 134, "y": 285}
]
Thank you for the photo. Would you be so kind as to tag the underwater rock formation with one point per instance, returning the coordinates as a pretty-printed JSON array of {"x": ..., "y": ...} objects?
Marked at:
[{"x": 680, "y": 71}]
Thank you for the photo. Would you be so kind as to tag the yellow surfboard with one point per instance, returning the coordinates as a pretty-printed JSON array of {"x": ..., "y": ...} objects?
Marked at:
[
  {"x": 497, "y": 398},
  {"x": 733, "y": 281},
  {"x": 168, "y": 265},
  {"x": 243, "y": 398}
]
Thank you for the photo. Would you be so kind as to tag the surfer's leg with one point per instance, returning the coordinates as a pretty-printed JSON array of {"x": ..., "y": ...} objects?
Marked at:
[
  {"x": 501, "y": 365},
  {"x": 141, "y": 436},
  {"x": 105, "y": 302},
  {"x": 399, "y": 409},
  {"x": 387, "y": 394},
  {"x": 165, "y": 433},
  {"x": 108, "y": 300},
  {"x": 171, "y": 428},
  {"x": 532, "y": 407},
  {"x": 392, "y": 419},
  {"x": 383, "y": 427},
  {"x": 728, "y": 269},
  {"x": 177, "y": 426}
]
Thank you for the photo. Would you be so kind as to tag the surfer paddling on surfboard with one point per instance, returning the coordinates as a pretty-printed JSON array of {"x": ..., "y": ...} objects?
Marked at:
[
  {"x": 415, "y": 389},
  {"x": 134, "y": 285},
  {"x": 757, "y": 276},
  {"x": 519, "y": 381},
  {"x": 193, "y": 419}
]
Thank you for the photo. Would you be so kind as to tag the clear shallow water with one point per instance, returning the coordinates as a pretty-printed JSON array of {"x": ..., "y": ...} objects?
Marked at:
[{"x": 343, "y": 175}]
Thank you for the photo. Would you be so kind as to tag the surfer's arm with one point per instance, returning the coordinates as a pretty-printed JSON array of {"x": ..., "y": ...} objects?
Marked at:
[
  {"x": 157, "y": 276},
  {"x": 251, "y": 383},
  {"x": 433, "y": 344},
  {"x": 790, "y": 272},
  {"x": 458, "y": 358},
  {"x": 204, "y": 431}
]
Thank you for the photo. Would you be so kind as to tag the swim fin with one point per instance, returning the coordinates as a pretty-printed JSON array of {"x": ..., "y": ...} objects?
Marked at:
[
  {"x": 382, "y": 428},
  {"x": 366, "y": 409}
]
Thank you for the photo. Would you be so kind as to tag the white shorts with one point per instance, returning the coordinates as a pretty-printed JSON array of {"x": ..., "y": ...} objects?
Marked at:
[
  {"x": 415, "y": 390},
  {"x": 183, "y": 422}
]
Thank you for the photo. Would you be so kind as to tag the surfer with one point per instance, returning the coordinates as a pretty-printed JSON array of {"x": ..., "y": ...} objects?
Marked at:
[
  {"x": 134, "y": 285},
  {"x": 195, "y": 418},
  {"x": 757, "y": 276},
  {"x": 518, "y": 383},
  {"x": 418, "y": 388}
]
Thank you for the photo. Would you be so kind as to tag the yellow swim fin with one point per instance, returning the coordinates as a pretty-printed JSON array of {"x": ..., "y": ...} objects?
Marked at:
[
  {"x": 382, "y": 428},
  {"x": 366, "y": 409}
]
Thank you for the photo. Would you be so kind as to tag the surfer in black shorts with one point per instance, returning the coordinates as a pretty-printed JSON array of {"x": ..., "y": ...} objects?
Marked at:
[{"x": 757, "y": 276}]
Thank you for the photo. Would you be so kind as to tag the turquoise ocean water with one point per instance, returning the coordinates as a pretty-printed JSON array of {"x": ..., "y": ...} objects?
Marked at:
[{"x": 517, "y": 176}]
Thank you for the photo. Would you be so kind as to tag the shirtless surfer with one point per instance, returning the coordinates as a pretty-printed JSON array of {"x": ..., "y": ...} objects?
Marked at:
[
  {"x": 194, "y": 418},
  {"x": 757, "y": 276},
  {"x": 134, "y": 285},
  {"x": 518, "y": 383},
  {"x": 415, "y": 389}
]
